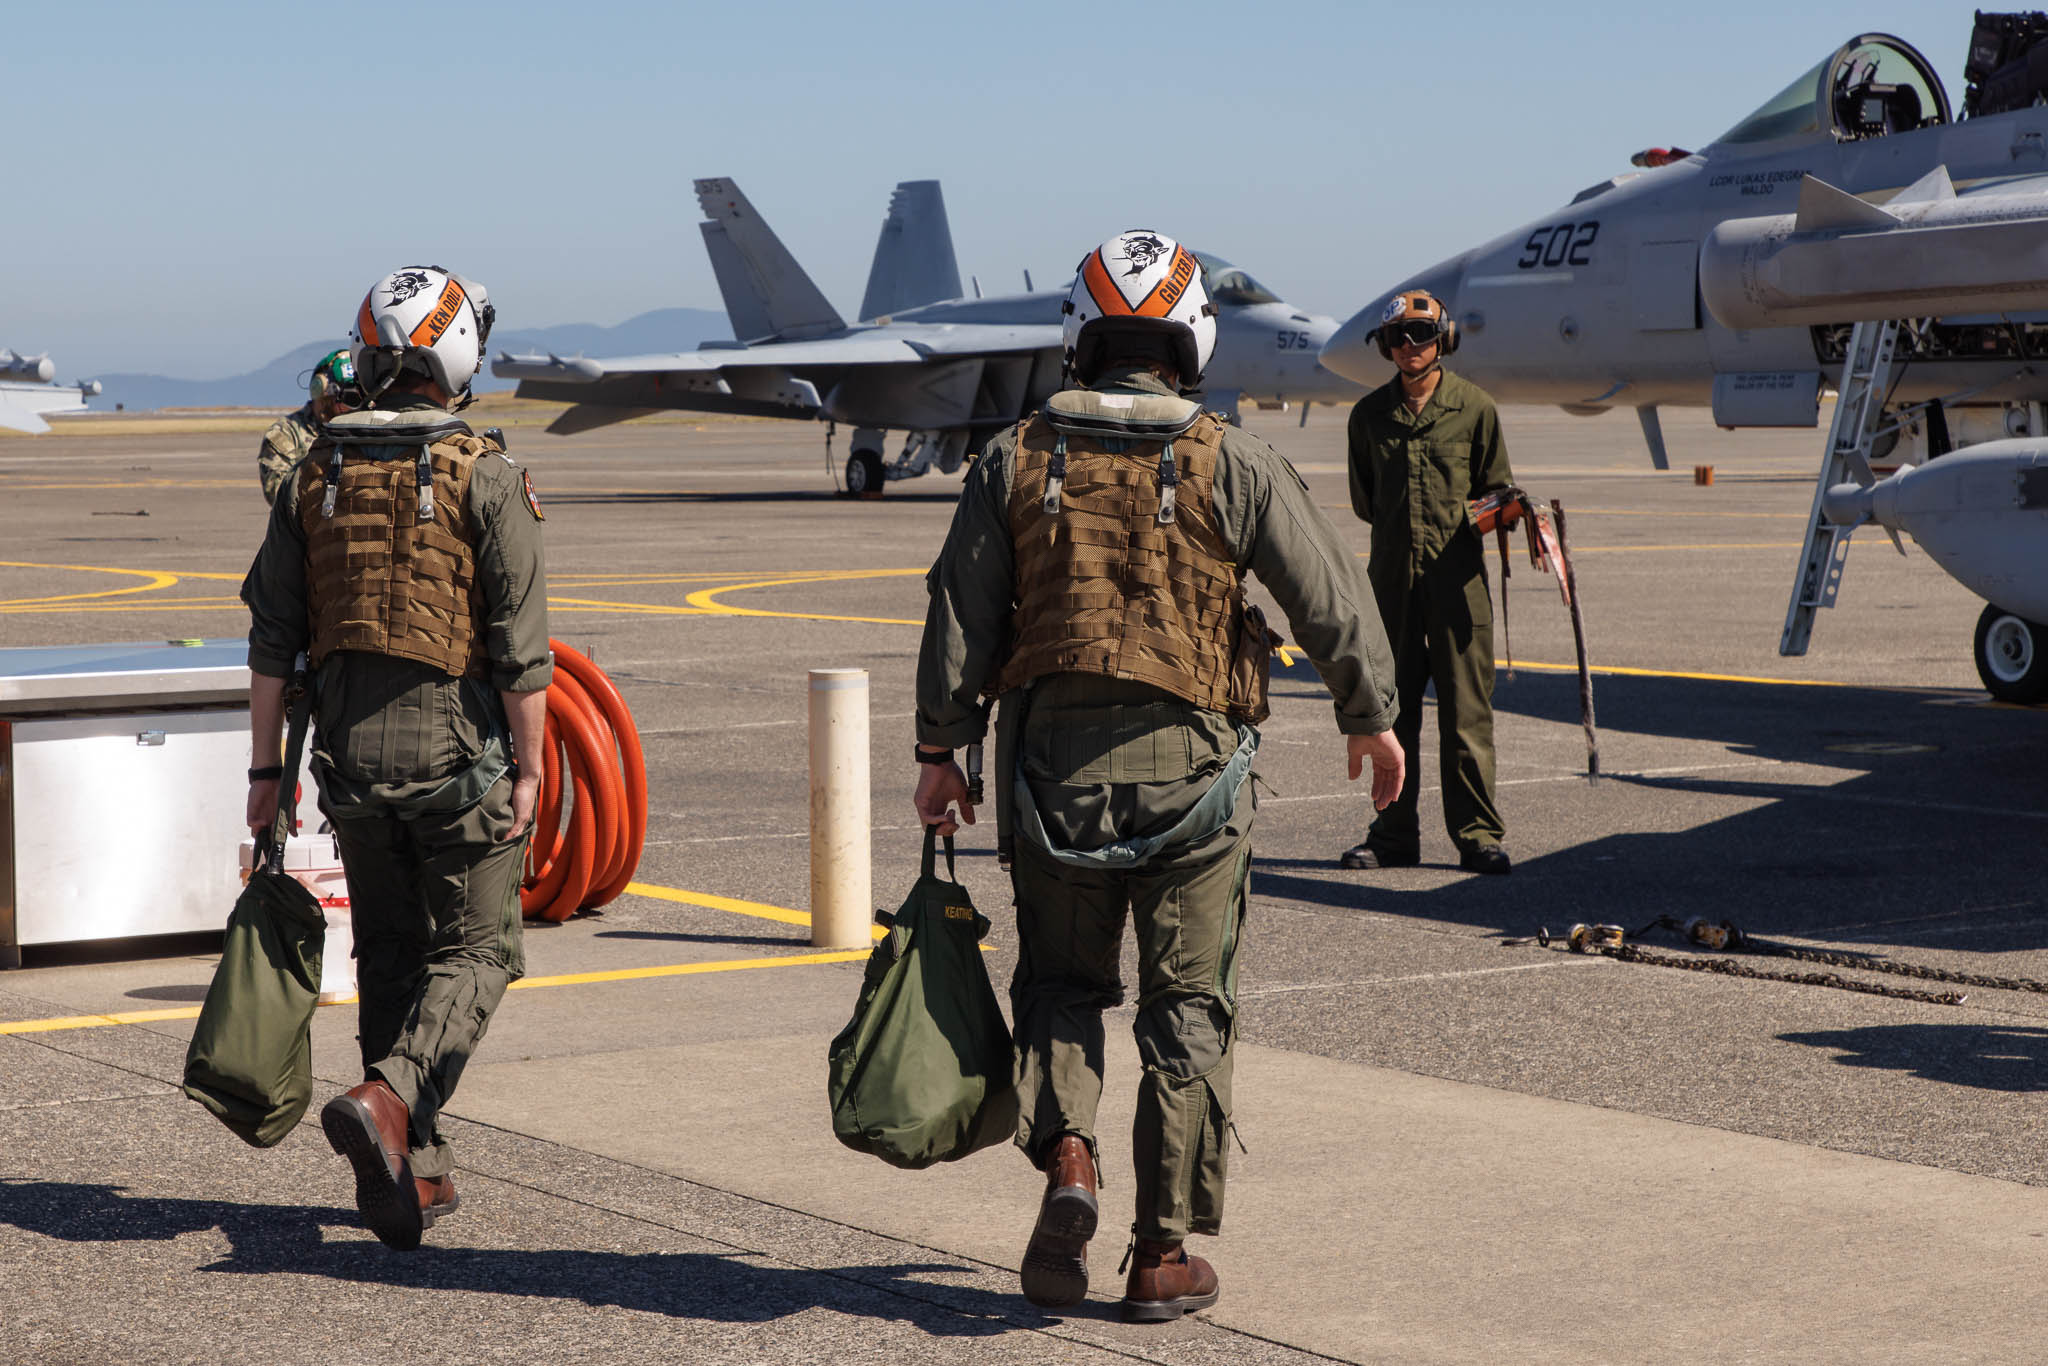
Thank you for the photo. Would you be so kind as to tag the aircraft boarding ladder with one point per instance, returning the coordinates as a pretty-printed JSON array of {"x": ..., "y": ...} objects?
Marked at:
[{"x": 1859, "y": 408}]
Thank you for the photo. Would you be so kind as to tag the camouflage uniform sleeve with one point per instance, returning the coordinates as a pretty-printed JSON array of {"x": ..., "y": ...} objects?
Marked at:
[
  {"x": 276, "y": 456},
  {"x": 512, "y": 575},
  {"x": 1284, "y": 538},
  {"x": 972, "y": 586},
  {"x": 275, "y": 590}
]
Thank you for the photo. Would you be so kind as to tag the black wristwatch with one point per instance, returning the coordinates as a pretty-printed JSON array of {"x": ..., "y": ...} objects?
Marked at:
[
  {"x": 925, "y": 756},
  {"x": 260, "y": 775}
]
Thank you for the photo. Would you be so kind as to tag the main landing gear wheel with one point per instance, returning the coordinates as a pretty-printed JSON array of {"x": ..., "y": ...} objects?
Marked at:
[
  {"x": 2012, "y": 656},
  {"x": 863, "y": 473}
]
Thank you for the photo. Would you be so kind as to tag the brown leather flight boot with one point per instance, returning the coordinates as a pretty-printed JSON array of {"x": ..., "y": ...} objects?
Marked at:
[
  {"x": 1166, "y": 1282},
  {"x": 437, "y": 1198},
  {"x": 367, "y": 1125},
  {"x": 1055, "y": 1271}
]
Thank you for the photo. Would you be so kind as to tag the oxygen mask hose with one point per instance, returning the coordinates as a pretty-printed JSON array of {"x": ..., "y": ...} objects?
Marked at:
[{"x": 590, "y": 821}]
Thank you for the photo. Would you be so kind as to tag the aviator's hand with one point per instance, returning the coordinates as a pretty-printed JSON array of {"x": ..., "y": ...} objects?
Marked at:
[
  {"x": 938, "y": 787},
  {"x": 261, "y": 808},
  {"x": 525, "y": 794},
  {"x": 1389, "y": 765}
]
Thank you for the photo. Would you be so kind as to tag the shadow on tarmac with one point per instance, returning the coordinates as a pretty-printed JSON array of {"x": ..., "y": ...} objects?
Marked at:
[
  {"x": 1989, "y": 1058},
  {"x": 716, "y": 1287},
  {"x": 681, "y": 497},
  {"x": 781, "y": 941},
  {"x": 1931, "y": 836}
]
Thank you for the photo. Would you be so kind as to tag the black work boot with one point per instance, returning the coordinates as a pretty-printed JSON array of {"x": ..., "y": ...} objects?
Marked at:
[
  {"x": 1055, "y": 1271},
  {"x": 1488, "y": 859},
  {"x": 1166, "y": 1282},
  {"x": 1370, "y": 855}
]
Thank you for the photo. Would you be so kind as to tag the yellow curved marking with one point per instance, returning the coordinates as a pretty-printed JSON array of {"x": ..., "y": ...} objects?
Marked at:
[
  {"x": 157, "y": 579},
  {"x": 707, "y": 599}
]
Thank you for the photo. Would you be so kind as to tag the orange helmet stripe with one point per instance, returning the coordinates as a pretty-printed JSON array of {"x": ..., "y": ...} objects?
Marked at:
[
  {"x": 1102, "y": 289},
  {"x": 446, "y": 309},
  {"x": 366, "y": 322}
]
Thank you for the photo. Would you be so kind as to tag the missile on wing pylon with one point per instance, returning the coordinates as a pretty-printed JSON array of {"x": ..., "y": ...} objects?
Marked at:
[
  {"x": 33, "y": 369},
  {"x": 1841, "y": 259}
]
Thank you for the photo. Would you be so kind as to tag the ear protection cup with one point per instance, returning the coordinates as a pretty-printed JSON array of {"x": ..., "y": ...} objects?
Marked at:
[{"x": 1448, "y": 342}]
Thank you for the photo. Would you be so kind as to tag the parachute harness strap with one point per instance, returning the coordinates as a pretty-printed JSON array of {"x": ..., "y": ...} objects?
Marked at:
[
  {"x": 423, "y": 476},
  {"x": 332, "y": 479},
  {"x": 1056, "y": 474}
]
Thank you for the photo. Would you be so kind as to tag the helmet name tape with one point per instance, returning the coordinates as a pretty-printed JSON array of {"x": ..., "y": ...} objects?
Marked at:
[{"x": 437, "y": 322}]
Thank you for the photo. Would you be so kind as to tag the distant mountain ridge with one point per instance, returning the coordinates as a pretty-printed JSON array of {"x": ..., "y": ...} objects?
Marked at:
[{"x": 281, "y": 383}]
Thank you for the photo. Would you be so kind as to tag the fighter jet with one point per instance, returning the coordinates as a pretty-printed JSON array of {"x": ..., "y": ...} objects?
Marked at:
[
  {"x": 927, "y": 359},
  {"x": 1851, "y": 233},
  {"x": 27, "y": 392}
]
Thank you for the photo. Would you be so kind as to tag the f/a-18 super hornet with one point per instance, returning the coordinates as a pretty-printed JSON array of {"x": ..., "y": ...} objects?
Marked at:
[
  {"x": 1853, "y": 233},
  {"x": 27, "y": 393},
  {"x": 945, "y": 370}
]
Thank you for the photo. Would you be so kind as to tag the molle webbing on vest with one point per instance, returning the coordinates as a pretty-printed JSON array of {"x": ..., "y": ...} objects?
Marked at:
[
  {"x": 377, "y": 578},
  {"x": 1103, "y": 586}
]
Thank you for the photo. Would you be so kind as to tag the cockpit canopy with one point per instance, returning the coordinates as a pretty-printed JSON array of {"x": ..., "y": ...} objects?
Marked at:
[
  {"x": 1872, "y": 86},
  {"x": 1227, "y": 284}
]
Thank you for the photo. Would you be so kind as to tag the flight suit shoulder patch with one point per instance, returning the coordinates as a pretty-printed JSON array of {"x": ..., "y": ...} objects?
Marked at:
[{"x": 532, "y": 499}]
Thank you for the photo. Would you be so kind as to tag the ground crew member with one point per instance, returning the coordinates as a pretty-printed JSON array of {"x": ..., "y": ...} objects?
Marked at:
[
  {"x": 404, "y": 556},
  {"x": 1093, "y": 578},
  {"x": 331, "y": 391},
  {"x": 1423, "y": 445}
]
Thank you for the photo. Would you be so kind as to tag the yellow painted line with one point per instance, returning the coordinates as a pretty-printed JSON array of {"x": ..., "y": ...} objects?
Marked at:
[
  {"x": 573, "y": 979},
  {"x": 1664, "y": 514},
  {"x": 1627, "y": 672},
  {"x": 155, "y": 605},
  {"x": 1579, "y": 550},
  {"x": 707, "y": 599},
  {"x": 157, "y": 579},
  {"x": 12, "y": 487},
  {"x": 759, "y": 909},
  {"x": 98, "y": 1021}
]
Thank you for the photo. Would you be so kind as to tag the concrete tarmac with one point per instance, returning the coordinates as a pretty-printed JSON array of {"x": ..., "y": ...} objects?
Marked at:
[{"x": 1456, "y": 1149}]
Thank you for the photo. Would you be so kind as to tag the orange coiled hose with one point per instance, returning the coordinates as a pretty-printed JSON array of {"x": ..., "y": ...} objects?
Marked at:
[{"x": 593, "y": 769}]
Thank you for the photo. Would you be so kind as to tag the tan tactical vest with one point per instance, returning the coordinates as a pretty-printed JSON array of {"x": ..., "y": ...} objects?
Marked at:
[
  {"x": 1104, "y": 586},
  {"x": 378, "y": 578}
]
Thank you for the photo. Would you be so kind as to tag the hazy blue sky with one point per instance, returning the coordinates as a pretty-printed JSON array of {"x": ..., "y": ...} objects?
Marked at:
[{"x": 197, "y": 187}]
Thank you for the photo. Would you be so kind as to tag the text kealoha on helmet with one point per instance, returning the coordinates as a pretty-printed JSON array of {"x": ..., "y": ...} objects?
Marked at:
[
  {"x": 425, "y": 320},
  {"x": 1139, "y": 282}
]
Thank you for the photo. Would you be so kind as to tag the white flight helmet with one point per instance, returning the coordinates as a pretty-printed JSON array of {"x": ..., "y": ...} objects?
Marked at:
[
  {"x": 1139, "y": 282},
  {"x": 424, "y": 319}
]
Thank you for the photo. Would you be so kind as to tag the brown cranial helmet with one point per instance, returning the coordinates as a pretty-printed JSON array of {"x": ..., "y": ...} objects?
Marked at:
[{"x": 1415, "y": 306}]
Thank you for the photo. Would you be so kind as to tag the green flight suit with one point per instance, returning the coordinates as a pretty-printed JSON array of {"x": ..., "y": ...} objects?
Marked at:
[
  {"x": 1412, "y": 476},
  {"x": 400, "y": 750},
  {"x": 1106, "y": 759},
  {"x": 284, "y": 446}
]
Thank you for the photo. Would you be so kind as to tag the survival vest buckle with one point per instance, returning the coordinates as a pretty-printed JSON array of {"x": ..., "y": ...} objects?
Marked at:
[{"x": 1056, "y": 475}]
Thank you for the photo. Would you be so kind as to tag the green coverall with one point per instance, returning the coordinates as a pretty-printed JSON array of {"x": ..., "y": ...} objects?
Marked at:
[
  {"x": 1107, "y": 759},
  {"x": 1412, "y": 475},
  {"x": 434, "y": 894}
]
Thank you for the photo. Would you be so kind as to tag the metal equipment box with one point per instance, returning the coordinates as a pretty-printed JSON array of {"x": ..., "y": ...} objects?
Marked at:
[{"x": 121, "y": 790}]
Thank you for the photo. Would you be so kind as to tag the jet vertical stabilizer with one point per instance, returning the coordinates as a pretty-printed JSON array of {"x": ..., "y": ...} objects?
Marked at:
[
  {"x": 756, "y": 272},
  {"x": 914, "y": 263}
]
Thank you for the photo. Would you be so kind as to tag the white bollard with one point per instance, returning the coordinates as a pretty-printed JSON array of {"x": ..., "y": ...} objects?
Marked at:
[{"x": 841, "y": 879}]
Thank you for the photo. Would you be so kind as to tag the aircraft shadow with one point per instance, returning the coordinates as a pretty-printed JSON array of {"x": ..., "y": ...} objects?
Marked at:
[
  {"x": 1987, "y": 1057},
  {"x": 712, "y": 1287},
  {"x": 1931, "y": 836}
]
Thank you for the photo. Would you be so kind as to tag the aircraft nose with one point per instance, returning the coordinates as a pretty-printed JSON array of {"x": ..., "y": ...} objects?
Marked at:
[{"x": 1350, "y": 354}]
